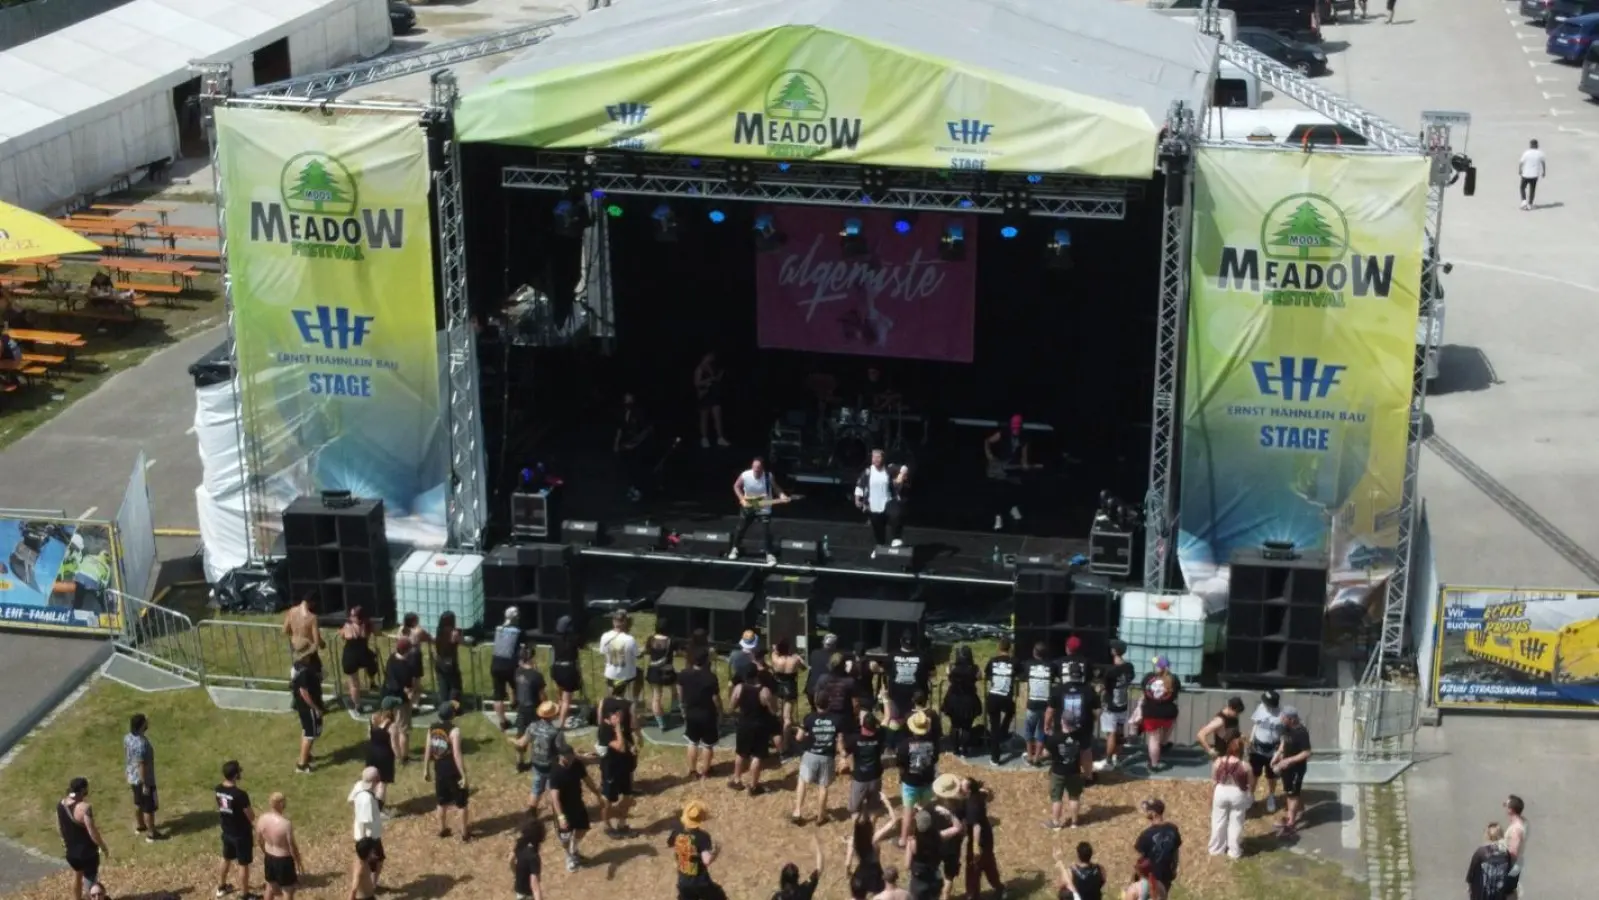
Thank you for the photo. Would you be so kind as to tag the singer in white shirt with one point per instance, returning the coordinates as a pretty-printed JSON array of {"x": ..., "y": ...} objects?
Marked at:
[{"x": 880, "y": 493}]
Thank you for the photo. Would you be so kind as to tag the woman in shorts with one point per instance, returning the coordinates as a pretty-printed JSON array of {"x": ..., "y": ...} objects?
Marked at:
[
  {"x": 380, "y": 745},
  {"x": 357, "y": 655},
  {"x": 659, "y": 675},
  {"x": 564, "y": 669},
  {"x": 786, "y": 666},
  {"x": 1158, "y": 710}
]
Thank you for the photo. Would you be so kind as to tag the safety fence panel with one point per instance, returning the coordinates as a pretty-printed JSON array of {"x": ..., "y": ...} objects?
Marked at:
[
  {"x": 161, "y": 637},
  {"x": 1386, "y": 720},
  {"x": 252, "y": 655}
]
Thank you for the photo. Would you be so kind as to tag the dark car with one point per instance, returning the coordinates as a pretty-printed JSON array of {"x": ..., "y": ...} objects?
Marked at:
[
  {"x": 1536, "y": 10},
  {"x": 1296, "y": 55},
  {"x": 402, "y": 18},
  {"x": 1562, "y": 11},
  {"x": 1570, "y": 40},
  {"x": 1299, "y": 19},
  {"x": 1589, "y": 82}
]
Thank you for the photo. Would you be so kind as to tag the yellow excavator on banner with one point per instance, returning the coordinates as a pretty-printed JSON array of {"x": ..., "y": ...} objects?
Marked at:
[{"x": 1569, "y": 655}]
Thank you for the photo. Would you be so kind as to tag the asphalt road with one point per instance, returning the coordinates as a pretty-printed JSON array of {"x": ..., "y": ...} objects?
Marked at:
[{"x": 1509, "y": 475}]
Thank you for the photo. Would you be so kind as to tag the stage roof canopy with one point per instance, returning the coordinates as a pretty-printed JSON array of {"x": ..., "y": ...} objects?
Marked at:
[{"x": 1036, "y": 86}]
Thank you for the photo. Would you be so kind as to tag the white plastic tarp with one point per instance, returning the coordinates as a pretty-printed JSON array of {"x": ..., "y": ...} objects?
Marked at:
[
  {"x": 136, "y": 553},
  {"x": 219, "y": 500}
]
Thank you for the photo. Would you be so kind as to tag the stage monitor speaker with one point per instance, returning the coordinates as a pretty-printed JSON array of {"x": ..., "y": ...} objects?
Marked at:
[
  {"x": 640, "y": 537},
  {"x": 1093, "y": 604},
  {"x": 705, "y": 543},
  {"x": 1032, "y": 580},
  {"x": 582, "y": 533},
  {"x": 535, "y": 515},
  {"x": 800, "y": 553},
  {"x": 892, "y": 559},
  {"x": 339, "y": 554},
  {"x": 723, "y": 614},
  {"x": 1035, "y": 561},
  {"x": 879, "y": 624},
  {"x": 1110, "y": 550}
]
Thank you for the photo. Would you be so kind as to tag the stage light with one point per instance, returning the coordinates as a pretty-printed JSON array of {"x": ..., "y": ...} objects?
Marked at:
[
  {"x": 597, "y": 194},
  {"x": 1008, "y": 232},
  {"x": 1058, "y": 252},
  {"x": 740, "y": 175},
  {"x": 571, "y": 218},
  {"x": 952, "y": 245},
  {"x": 665, "y": 224},
  {"x": 874, "y": 182},
  {"x": 717, "y": 216},
  {"x": 767, "y": 237},
  {"x": 902, "y": 226},
  {"x": 1035, "y": 179},
  {"x": 693, "y": 163},
  {"x": 782, "y": 167},
  {"x": 966, "y": 203},
  {"x": 853, "y": 241},
  {"x": 613, "y": 210}
]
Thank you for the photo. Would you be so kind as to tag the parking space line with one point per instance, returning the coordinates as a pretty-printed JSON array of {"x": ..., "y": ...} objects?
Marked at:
[
  {"x": 1559, "y": 112},
  {"x": 1549, "y": 96}
]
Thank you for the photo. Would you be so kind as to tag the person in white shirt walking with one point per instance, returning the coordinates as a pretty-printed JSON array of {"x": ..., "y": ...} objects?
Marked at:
[
  {"x": 879, "y": 493},
  {"x": 1534, "y": 167},
  {"x": 619, "y": 649},
  {"x": 369, "y": 817}
]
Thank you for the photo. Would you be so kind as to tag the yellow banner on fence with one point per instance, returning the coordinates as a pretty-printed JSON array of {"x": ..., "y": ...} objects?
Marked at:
[
  {"x": 1522, "y": 649},
  {"x": 1305, "y": 295},
  {"x": 330, "y": 254}
]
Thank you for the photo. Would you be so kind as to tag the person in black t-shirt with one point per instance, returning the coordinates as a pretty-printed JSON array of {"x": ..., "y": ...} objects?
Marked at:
[
  {"x": 633, "y": 431},
  {"x": 568, "y": 779},
  {"x": 789, "y": 884},
  {"x": 822, "y": 743},
  {"x": 1074, "y": 707},
  {"x": 1065, "y": 778},
  {"x": 1115, "y": 686},
  {"x": 1290, "y": 763},
  {"x": 526, "y": 867},
  {"x": 238, "y": 829},
  {"x": 700, "y": 697},
  {"x": 1489, "y": 869},
  {"x": 980, "y": 860},
  {"x": 618, "y": 760},
  {"x": 924, "y": 851},
  {"x": 1000, "y": 699},
  {"x": 866, "y": 770},
  {"x": 1160, "y": 843},
  {"x": 693, "y": 852},
  {"x": 1083, "y": 881},
  {"x": 918, "y": 767},
  {"x": 1039, "y": 677},
  {"x": 306, "y": 689},
  {"x": 399, "y": 683},
  {"x": 908, "y": 672}
]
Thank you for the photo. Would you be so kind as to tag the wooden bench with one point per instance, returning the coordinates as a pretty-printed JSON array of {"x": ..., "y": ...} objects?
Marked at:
[
  {"x": 148, "y": 288},
  {"x": 195, "y": 253},
  {"x": 101, "y": 314},
  {"x": 43, "y": 362}
]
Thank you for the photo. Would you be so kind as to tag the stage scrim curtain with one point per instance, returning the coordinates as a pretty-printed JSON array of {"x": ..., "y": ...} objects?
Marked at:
[
  {"x": 1301, "y": 348},
  {"x": 799, "y": 93}
]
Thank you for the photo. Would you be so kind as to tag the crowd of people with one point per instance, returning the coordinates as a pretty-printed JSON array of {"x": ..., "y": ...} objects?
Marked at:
[{"x": 846, "y": 715}]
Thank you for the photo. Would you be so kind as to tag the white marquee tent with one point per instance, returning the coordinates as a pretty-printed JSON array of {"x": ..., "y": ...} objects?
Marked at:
[{"x": 87, "y": 104}]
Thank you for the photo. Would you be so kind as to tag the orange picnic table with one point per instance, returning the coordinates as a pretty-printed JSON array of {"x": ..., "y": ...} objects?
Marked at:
[
  {"x": 177, "y": 270},
  {"x": 171, "y": 233},
  {"x": 160, "y": 209}
]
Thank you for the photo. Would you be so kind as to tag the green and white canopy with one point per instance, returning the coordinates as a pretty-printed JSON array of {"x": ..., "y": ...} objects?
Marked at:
[{"x": 1037, "y": 86}]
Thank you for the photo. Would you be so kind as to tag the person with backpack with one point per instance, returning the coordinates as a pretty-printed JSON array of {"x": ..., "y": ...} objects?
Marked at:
[
  {"x": 544, "y": 742},
  {"x": 1488, "y": 872}
]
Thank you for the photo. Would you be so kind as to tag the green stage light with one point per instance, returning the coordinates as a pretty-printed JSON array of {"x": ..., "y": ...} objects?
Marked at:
[{"x": 614, "y": 211}]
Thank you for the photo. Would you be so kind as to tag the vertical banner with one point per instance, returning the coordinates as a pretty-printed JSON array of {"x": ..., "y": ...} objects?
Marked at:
[
  {"x": 854, "y": 282},
  {"x": 330, "y": 255},
  {"x": 54, "y": 574},
  {"x": 1301, "y": 347},
  {"x": 1517, "y": 649}
]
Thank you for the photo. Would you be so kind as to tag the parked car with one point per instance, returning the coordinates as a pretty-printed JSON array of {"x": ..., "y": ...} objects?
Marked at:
[
  {"x": 1562, "y": 10},
  {"x": 1589, "y": 82},
  {"x": 1296, "y": 55},
  {"x": 402, "y": 18},
  {"x": 1570, "y": 40},
  {"x": 1299, "y": 19},
  {"x": 1536, "y": 10}
]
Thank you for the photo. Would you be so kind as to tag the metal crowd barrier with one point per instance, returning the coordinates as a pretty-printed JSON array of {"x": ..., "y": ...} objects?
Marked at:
[{"x": 158, "y": 636}]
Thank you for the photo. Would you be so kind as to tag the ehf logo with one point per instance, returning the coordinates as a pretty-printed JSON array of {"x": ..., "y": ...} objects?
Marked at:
[
  {"x": 969, "y": 131},
  {"x": 1296, "y": 380},
  {"x": 335, "y": 328},
  {"x": 628, "y": 113},
  {"x": 1533, "y": 648}
]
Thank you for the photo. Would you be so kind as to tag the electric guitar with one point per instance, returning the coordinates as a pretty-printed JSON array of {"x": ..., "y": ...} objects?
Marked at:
[
  {"x": 753, "y": 504},
  {"x": 999, "y": 469},
  {"x": 703, "y": 390}
]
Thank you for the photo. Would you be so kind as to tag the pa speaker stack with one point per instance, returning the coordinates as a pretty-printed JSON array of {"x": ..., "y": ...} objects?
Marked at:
[
  {"x": 790, "y": 601},
  {"x": 879, "y": 624},
  {"x": 338, "y": 552},
  {"x": 1276, "y": 610},
  {"x": 1052, "y": 604},
  {"x": 724, "y": 615},
  {"x": 543, "y": 581}
]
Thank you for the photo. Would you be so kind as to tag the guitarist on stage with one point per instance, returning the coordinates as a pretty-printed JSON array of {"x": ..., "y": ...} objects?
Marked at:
[
  {"x": 757, "y": 492},
  {"x": 1008, "y": 456},
  {"x": 632, "y": 432}
]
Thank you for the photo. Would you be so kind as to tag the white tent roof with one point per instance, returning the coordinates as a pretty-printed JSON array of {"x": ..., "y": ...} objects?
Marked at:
[
  {"x": 1098, "y": 48},
  {"x": 48, "y": 85}
]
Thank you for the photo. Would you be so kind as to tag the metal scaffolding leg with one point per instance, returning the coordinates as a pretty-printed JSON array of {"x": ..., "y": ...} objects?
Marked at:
[
  {"x": 1391, "y": 638},
  {"x": 1159, "y": 529},
  {"x": 465, "y": 512}
]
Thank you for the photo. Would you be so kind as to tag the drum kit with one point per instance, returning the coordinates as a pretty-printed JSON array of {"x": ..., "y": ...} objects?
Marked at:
[{"x": 855, "y": 431}]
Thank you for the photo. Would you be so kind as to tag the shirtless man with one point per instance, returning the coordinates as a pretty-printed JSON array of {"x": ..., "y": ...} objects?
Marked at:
[
  {"x": 1516, "y": 844},
  {"x": 300, "y": 625},
  {"x": 279, "y": 849},
  {"x": 891, "y": 889}
]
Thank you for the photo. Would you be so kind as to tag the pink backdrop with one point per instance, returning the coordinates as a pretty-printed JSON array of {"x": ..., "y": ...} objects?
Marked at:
[{"x": 899, "y": 300}]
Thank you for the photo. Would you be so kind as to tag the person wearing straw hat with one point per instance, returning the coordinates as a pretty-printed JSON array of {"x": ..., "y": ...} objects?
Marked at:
[
  {"x": 949, "y": 807},
  {"x": 693, "y": 852},
  {"x": 545, "y": 743},
  {"x": 918, "y": 767}
]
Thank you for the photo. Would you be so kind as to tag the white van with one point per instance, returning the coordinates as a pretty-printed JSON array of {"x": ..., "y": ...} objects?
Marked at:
[
  {"x": 1287, "y": 127},
  {"x": 1234, "y": 88}
]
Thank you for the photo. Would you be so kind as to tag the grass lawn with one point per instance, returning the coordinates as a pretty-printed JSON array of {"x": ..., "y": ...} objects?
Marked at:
[
  {"x": 111, "y": 347},
  {"x": 192, "y": 738}
]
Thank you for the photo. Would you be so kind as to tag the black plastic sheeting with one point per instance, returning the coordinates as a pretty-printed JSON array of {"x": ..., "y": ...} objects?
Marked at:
[
  {"x": 215, "y": 367},
  {"x": 250, "y": 590}
]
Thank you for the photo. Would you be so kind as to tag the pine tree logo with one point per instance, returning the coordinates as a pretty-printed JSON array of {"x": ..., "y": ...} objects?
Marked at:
[
  {"x": 1305, "y": 228},
  {"x": 796, "y": 95},
  {"x": 315, "y": 183}
]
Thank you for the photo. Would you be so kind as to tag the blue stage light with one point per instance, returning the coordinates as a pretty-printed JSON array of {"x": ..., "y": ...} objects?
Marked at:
[
  {"x": 903, "y": 226},
  {"x": 764, "y": 224},
  {"x": 852, "y": 228},
  {"x": 1008, "y": 232},
  {"x": 661, "y": 213},
  {"x": 718, "y": 216},
  {"x": 597, "y": 194},
  {"x": 1063, "y": 237},
  {"x": 1035, "y": 179},
  {"x": 966, "y": 203},
  {"x": 782, "y": 167},
  {"x": 693, "y": 163}
]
